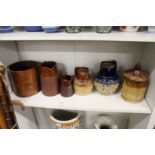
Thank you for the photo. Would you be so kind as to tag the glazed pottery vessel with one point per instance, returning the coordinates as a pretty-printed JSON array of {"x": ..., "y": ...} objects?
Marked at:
[
  {"x": 66, "y": 86},
  {"x": 73, "y": 29},
  {"x": 83, "y": 84},
  {"x": 24, "y": 78},
  {"x": 62, "y": 119},
  {"x": 50, "y": 29},
  {"x": 7, "y": 115},
  {"x": 107, "y": 81},
  {"x": 135, "y": 84},
  {"x": 103, "y": 29},
  {"x": 49, "y": 78},
  {"x": 129, "y": 28},
  {"x": 33, "y": 28},
  {"x": 6, "y": 29},
  {"x": 105, "y": 122}
]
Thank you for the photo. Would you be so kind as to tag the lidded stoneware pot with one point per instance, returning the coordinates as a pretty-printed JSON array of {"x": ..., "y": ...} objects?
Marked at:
[{"x": 135, "y": 84}]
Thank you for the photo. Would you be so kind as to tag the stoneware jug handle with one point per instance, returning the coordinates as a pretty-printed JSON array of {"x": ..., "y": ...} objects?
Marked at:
[
  {"x": 19, "y": 103},
  {"x": 14, "y": 102}
]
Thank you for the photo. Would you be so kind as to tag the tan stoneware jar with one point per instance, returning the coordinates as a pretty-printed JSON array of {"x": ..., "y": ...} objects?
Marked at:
[
  {"x": 135, "y": 84},
  {"x": 49, "y": 78},
  {"x": 83, "y": 83},
  {"x": 24, "y": 78}
]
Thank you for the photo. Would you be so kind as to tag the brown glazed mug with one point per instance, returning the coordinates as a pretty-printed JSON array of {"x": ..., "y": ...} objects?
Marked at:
[
  {"x": 49, "y": 78},
  {"x": 66, "y": 87},
  {"x": 23, "y": 75}
]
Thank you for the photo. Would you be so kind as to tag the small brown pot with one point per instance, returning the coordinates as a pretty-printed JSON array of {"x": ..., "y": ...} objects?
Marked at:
[
  {"x": 49, "y": 78},
  {"x": 24, "y": 79},
  {"x": 66, "y": 87}
]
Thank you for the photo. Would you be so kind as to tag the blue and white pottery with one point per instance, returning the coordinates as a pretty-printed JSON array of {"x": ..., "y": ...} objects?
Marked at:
[
  {"x": 33, "y": 28},
  {"x": 107, "y": 81},
  {"x": 51, "y": 29},
  {"x": 6, "y": 29},
  {"x": 106, "y": 85}
]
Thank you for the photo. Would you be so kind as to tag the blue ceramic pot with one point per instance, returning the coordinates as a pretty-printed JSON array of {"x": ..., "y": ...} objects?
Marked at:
[
  {"x": 6, "y": 29},
  {"x": 106, "y": 85},
  {"x": 51, "y": 29},
  {"x": 108, "y": 68},
  {"x": 33, "y": 28},
  {"x": 107, "y": 80}
]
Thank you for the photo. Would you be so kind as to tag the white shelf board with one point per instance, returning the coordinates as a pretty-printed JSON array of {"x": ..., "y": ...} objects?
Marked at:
[
  {"x": 92, "y": 102},
  {"x": 113, "y": 36}
]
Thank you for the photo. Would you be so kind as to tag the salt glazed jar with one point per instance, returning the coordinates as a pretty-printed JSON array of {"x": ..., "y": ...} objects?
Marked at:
[
  {"x": 107, "y": 81},
  {"x": 83, "y": 84},
  {"x": 135, "y": 84}
]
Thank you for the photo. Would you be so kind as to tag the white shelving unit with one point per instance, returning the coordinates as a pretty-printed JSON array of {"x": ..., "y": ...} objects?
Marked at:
[
  {"x": 89, "y": 36},
  {"x": 92, "y": 102},
  {"x": 85, "y": 49}
]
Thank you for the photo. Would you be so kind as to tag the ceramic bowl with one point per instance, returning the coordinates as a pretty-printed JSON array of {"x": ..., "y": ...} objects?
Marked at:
[
  {"x": 51, "y": 29},
  {"x": 6, "y": 29}
]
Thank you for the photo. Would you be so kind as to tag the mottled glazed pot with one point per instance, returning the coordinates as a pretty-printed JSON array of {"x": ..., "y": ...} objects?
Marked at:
[
  {"x": 66, "y": 86},
  {"x": 107, "y": 81},
  {"x": 49, "y": 78},
  {"x": 83, "y": 84},
  {"x": 62, "y": 119},
  {"x": 135, "y": 84},
  {"x": 103, "y": 29}
]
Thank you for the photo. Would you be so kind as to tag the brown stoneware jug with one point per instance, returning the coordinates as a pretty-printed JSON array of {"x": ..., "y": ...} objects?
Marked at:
[
  {"x": 66, "y": 86},
  {"x": 7, "y": 115},
  {"x": 49, "y": 78},
  {"x": 23, "y": 75}
]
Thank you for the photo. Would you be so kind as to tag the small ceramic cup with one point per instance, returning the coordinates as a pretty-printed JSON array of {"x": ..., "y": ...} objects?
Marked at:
[
  {"x": 105, "y": 122},
  {"x": 62, "y": 119},
  {"x": 66, "y": 86}
]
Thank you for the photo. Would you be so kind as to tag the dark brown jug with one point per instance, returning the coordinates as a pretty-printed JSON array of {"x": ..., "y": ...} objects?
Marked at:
[
  {"x": 49, "y": 78},
  {"x": 66, "y": 86},
  {"x": 24, "y": 78},
  {"x": 7, "y": 115}
]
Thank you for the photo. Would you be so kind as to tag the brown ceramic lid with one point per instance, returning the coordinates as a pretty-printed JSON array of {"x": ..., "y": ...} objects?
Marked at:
[{"x": 136, "y": 74}]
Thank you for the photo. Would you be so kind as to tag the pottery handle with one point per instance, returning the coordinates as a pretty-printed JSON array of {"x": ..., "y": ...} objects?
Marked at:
[{"x": 19, "y": 103}]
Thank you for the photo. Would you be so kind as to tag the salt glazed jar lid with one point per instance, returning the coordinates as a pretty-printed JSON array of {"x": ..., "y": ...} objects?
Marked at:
[{"x": 136, "y": 74}]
